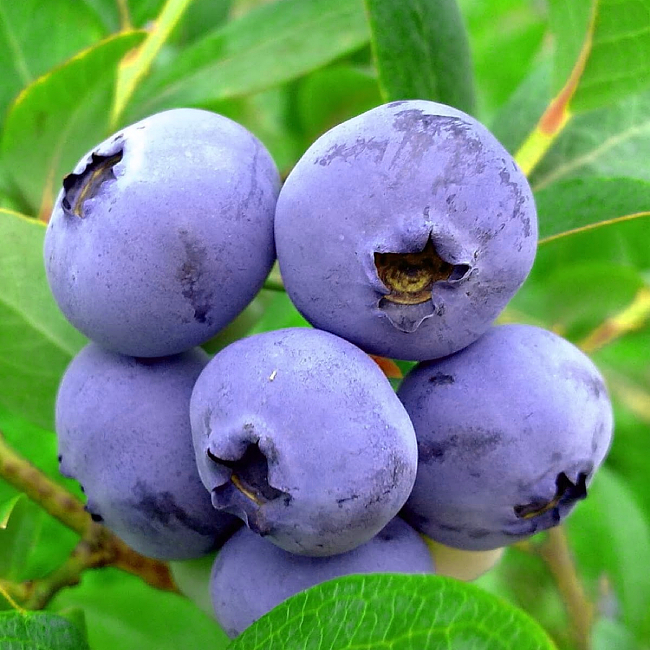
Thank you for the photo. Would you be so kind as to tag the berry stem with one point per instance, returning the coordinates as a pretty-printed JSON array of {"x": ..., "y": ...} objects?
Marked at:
[
  {"x": 557, "y": 555},
  {"x": 97, "y": 548},
  {"x": 54, "y": 499},
  {"x": 630, "y": 319},
  {"x": 125, "y": 17}
]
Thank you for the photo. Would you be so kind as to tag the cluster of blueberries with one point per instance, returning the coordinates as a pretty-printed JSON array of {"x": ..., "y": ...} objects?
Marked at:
[{"x": 402, "y": 233}]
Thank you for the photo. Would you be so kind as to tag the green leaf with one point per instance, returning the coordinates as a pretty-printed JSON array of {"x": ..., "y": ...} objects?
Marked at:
[
  {"x": 279, "y": 313},
  {"x": 520, "y": 114},
  {"x": 19, "y": 539},
  {"x": 570, "y": 23},
  {"x": 502, "y": 57},
  {"x": 328, "y": 97},
  {"x": 394, "y": 612},
  {"x": 123, "y": 613},
  {"x": 108, "y": 11},
  {"x": 7, "y": 508},
  {"x": 622, "y": 244},
  {"x": 626, "y": 366},
  {"x": 36, "y": 342},
  {"x": 264, "y": 48},
  {"x": 575, "y": 298},
  {"x": 143, "y": 11},
  {"x": 524, "y": 580},
  {"x": 193, "y": 580},
  {"x": 77, "y": 617},
  {"x": 609, "y": 634},
  {"x": 32, "y": 442},
  {"x": 241, "y": 326},
  {"x": 422, "y": 51},
  {"x": 133, "y": 69},
  {"x": 602, "y": 49},
  {"x": 579, "y": 204},
  {"x": 610, "y": 142},
  {"x": 201, "y": 18},
  {"x": 39, "y": 631},
  {"x": 620, "y": 50},
  {"x": 34, "y": 543},
  {"x": 59, "y": 117},
  {"x": 26, "y": 26},
  {"x": 609, "y": 535}
]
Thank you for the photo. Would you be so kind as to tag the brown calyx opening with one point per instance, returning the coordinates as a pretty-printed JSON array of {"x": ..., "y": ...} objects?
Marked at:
[
  {"x": 410, "y": 276},
  {"x": 80, "y": 187},
  {"x": 566, "y": 494},
  {"x": 250, "y": 475}
]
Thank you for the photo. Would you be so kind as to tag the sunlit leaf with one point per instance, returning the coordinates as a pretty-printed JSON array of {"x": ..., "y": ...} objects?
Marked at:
[
  {"x": 610, "y": 142},
  {"x": 601, "y": 49},
  {"x": 57, "y": 118},
  {"x": 135, "y": 67},
  {"x": 394, "y": 612},
  {"x": 7, "y": 508},
  {"x": 262, "y": 49},
  {"x": 36, "y": 342},
  {"x": 572, "y": 206},
  {"x": 39, "y": 631},
  {"x": 66, "y": 27}
]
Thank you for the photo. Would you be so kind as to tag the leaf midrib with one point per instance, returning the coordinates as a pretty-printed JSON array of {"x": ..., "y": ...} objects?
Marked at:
[
  {"x": 565, "y": 168},
  {"x": 172, "y": 88}
]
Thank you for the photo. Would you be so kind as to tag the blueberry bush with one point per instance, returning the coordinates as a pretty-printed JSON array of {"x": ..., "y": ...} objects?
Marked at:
[{"x": 325, "y": 324}]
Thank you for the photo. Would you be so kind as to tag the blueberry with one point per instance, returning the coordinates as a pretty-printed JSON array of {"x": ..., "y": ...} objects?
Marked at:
[
  {"x": 123, "y": 431},
  {"x": 250, "y": 576},
  {"x": 510, "y": 432},
  {"x": 163, "y": 233},
  {"x": 405, "y": 230},
  {"x": 300, "y": 434}
]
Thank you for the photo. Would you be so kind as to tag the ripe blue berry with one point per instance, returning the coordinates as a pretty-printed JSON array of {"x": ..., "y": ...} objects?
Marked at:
[
  {"x": 300, "y": 434},
  {"x": 250, "y": 576},
  {"x": 123, "y": 431},
  {"x": 163, "y": 233},
  {"x": 510, "y": 433},
  {"x": 405, "y": 230}
]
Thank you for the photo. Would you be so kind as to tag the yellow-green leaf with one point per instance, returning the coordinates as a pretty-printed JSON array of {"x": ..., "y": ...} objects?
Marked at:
[{"x": 58, "y": 117}]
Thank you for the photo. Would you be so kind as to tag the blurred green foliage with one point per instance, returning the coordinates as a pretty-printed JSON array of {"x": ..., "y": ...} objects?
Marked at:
[{"x": 289, "y": 70}]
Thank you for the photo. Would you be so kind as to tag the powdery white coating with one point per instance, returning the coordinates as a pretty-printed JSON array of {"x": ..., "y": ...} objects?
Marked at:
[
  {"x": 385, "y": 182},
  {"x": 339, "y": 447},
  {"x": 123, "y": 432},
  {"x": 497, "y": 423},
  {"x": 250, "y": 576},
  {"x": 175, "y": 240}
]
